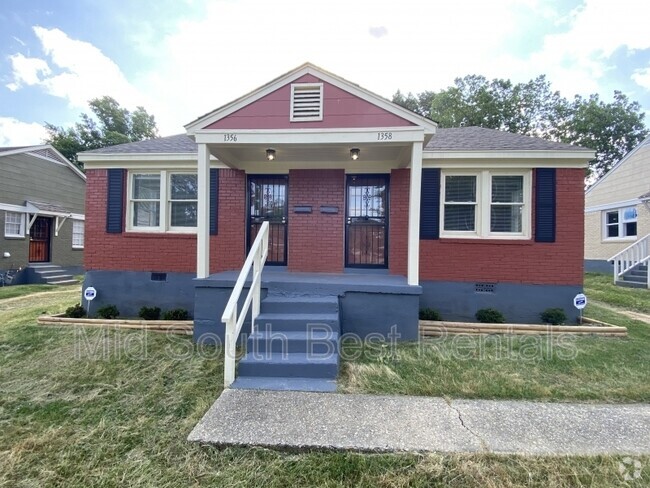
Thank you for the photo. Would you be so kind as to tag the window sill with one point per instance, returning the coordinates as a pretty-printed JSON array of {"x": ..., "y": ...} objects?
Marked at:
[
  {"x": 160, "y": 235},
  {"x": 524, "y": 241},
  {"x": 619, "y": 239},
  {"x": 15, "y": 237}
]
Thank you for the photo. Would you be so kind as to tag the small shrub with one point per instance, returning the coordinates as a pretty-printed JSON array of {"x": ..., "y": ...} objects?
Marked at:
[
  {"x": 490, "y": 316},
  {"x": 75, "y": 312},
  {"x": 429, "y": 314},
  {"x": 108, "y": 312},
  {"x": 554, "y": 316},
  {"x": 149, "y": 313},
  {"x": 176, "y": 314}
]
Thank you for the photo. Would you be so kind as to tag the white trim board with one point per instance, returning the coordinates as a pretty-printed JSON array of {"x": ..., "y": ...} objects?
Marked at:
[{"x": 612, "y": 206}]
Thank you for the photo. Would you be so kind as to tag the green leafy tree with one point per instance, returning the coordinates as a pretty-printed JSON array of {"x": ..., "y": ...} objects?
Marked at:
[
  {"x": 533, "y": 108},
  {"x": 111, "y": 124},
  {"x": 611, "y": 129}
]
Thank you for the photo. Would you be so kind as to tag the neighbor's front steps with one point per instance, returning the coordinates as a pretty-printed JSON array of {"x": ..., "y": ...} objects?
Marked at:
[
  {"x": 637, "y": 277},
  {"x": 294, "y": 346},
  {"x": 52, "y": 274}
]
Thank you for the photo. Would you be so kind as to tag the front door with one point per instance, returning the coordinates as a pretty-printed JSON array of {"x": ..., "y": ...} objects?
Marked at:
[
  {"x": 267, "y": 201},
  {"x": 39, "y": 240},
  {"x": 366, "y": 217}
]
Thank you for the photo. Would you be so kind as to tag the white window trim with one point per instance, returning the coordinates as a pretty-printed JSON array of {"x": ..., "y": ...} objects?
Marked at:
[
  {"x": 83, "y": 233},
  {"x": 21, "y": 234},
  {"x": 168, "y": 204},
  {"x": 603, "y": 219},
  {"x": 318, "y": 117},
  {"x": 165, "y": 204},
  {"x": 484, "y": 203}
]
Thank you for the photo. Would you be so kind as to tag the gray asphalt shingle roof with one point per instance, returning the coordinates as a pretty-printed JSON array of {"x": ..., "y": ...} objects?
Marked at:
[
  {"x": 457, "y": 139},
  {"x": 481, "y": 139},
  {"x": 178, "y": 143}
]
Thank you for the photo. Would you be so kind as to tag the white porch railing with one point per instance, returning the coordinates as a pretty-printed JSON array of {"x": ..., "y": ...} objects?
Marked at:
[
  {"x": 633, "y": 255},
  {"x": 233, "y": 320}
]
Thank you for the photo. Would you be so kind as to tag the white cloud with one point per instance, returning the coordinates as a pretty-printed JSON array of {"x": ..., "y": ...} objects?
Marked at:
[
  {"x": 642, "y": 77},
  {"x": 74, "y": 70},
  {"x": 27, "y": 71},
  {"x": 84, "y": 71},
  {"x": 578, "y": 59},
  {"x": 13, "y": 132}
]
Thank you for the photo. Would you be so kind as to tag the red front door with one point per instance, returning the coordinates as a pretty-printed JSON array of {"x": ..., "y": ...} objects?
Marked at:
[{"x": 39, "y": 240}]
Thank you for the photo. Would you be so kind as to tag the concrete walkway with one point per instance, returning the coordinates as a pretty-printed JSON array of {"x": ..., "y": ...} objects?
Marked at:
[{"x": 302, "y": 420}]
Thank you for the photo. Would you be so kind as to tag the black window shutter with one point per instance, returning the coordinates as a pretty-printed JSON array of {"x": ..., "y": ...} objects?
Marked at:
[
  {"x": 545, "y": 205},
  {"x": 214, "y": 201},
  {"x": 115, "y": 201},
  {"x": 430, "y": 204}
]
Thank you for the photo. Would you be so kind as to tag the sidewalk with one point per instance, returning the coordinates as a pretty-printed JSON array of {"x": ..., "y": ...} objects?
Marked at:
[{"x": 301, "y": 420}]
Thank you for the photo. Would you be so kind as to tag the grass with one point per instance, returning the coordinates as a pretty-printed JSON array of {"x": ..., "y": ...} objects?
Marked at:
[
  {"x": 599, "y": 287},
  {"x": 89, "y": 407},
  {"x": 517, "y": 367},
  {"x": 21, "y": 290}
]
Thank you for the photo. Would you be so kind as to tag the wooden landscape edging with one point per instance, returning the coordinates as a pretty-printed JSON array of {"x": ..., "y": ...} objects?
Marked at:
[
  {"x": 434, "y": 328},
  {"x": 184, "y": 327}
]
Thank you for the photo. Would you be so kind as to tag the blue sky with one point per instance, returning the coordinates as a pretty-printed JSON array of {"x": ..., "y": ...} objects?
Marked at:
[{"x": 183, "y": 58}]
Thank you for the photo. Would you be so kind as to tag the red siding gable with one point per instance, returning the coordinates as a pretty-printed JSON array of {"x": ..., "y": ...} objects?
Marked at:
[{"x": 341, "y": 109}]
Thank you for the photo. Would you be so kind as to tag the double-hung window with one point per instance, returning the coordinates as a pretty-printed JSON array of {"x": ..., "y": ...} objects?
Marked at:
[
  {"x": 620, "y": 223},
  {"x": 77, "y": 234},
  {"x": 14, "y": 224},
  {"x": 163, "y": 201},
  {"x": 486, "y": 204}
]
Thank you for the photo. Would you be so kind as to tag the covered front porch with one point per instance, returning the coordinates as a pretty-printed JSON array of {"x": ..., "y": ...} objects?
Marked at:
[{"x": 368, "y": 302}]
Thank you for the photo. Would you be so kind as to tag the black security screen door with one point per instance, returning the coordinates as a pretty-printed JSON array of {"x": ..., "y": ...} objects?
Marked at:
[
  {"x": 366, "y": 229},
  {"x": 39, "y": 240},
  {"x": 267, "y": 200}
]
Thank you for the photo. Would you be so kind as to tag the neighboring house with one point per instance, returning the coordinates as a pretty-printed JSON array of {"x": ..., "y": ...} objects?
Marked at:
[
  {"x": 617, "y": 216},
  {"x": 41, "y": 214},
  {"x": 369, "y": 204}
]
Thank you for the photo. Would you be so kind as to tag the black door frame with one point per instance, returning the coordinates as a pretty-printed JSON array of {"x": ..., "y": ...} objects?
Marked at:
[
  {"x": 386, "y": 178},
  {"x": 249, "y": 222}
]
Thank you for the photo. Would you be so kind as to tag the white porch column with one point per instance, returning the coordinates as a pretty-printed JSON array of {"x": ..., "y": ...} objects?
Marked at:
[
  {"x": 203, "y": 214},
  {"x": 414, "y": 215}
]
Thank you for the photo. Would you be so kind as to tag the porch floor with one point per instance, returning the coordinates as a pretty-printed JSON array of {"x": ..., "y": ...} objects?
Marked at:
[{"x": 281, "y": 280}]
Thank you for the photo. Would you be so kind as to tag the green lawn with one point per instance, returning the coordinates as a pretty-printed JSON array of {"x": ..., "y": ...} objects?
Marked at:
[
  {"x": 20, "y": 290},
  {"x": 599, "y": 287},
  {"x": 523, "y": 367},
  {"x": 88, "y": 407}
]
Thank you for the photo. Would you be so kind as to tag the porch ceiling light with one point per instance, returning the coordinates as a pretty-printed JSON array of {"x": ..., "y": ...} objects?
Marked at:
[
  {"x": 354, "y": 153},
  {"x": 270, "y": 154}
]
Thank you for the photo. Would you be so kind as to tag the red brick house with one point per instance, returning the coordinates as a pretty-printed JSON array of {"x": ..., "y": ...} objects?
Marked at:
[{"x": 367, "y": 202}]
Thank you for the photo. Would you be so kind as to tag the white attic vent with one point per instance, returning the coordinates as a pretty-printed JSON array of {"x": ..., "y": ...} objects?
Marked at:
[{"x": 306, "y": 102}]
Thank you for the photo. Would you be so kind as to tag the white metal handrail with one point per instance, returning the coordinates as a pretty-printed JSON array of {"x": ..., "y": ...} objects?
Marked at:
[
  {"x": 633, "y": 255},
  {"x": 233, "y": 320}
]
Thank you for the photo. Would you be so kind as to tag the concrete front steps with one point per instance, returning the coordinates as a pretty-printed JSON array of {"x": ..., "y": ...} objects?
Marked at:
[
  {"x": 51, "y": 274},
  {"x": 295, "y": 345},
  {"x": 637, "y": 277}
]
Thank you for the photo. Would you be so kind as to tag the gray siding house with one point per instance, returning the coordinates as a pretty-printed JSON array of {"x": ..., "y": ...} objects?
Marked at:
[{"x": 42, "y": 197}]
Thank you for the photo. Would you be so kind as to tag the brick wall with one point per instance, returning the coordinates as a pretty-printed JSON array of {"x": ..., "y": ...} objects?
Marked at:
[
  {"x": 528, "y": 262},
  {"x": 316, "y": 240},
  {"x": 398, "y": 222},
  {"x": 164, "y": 252}
]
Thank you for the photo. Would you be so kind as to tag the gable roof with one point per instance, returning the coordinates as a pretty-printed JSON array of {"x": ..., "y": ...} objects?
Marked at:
[
  {"x": 482, "y": 139},
  {"x": 311, "y": 69},
  {"x": 43, "y": 151},
  {"x": 645, "y": 142}
]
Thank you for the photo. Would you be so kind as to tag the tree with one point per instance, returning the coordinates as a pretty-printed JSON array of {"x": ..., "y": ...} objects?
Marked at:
[
  {"x": 611, "y": 129},
  {"x": 110, "y": 125},
  {"x": 534, "y": 109}
]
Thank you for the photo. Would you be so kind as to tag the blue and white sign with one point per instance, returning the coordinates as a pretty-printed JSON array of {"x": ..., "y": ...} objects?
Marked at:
[
  {"x": 90, "y": 293},
  {"x": 580, "y": 301}
]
